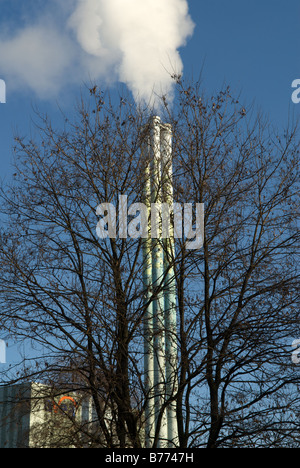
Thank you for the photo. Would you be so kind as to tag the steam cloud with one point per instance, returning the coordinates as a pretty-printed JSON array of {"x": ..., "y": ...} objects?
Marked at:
[
  {"x": 133, "y": 41},
  {"x": 140, "y": 37}
]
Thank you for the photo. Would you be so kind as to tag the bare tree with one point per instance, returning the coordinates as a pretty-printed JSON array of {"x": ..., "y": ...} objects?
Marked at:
[
  {"x": 64, "y": 288},
  {"x": 239, "y": 295},
  {"x": 82, "y": 298}
]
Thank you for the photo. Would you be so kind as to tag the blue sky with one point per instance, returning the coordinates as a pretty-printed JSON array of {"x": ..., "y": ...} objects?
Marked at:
[{"x": 251, "y": 45}]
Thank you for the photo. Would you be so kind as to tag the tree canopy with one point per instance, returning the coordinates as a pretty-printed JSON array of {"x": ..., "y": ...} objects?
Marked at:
[{"x": 82, "y": 299}]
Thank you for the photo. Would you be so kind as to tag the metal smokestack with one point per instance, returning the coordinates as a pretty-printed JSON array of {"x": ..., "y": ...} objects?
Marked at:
[
  {"x": 157, "y": 278},
  {"x": 148, "y": 320},
  {"x": 159, "y": 283},
  {"x": 169, "y": 287}
]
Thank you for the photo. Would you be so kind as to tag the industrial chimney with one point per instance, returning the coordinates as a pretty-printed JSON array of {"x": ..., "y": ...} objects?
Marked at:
[{"x": 160, "y": 290}]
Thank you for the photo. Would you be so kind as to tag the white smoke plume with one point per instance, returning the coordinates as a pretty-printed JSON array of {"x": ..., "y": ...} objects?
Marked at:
[
  {"x": 140, "y": 37},
  {"x": 136, "y": 42}
]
